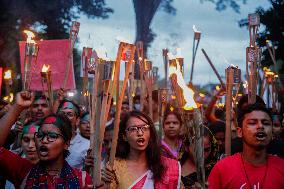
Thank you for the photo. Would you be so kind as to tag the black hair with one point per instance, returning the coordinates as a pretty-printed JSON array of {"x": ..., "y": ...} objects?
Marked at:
[
  {"x": 40, "y": 95},
  {"x": 78, "y": 112},
  {"x": 250, "y": 108},
  {"x": 84, "y": 114},
  {"x": 175, "y": 112},
  {"x": 212, "y": 156},
  {"x": 244, "y": 100},
  {"x": 153, "y": 150},
  {"x": 65, "y": 127},
  {"x": 217, "y": 127}
]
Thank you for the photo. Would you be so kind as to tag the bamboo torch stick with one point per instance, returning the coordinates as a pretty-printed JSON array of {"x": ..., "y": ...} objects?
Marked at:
[
  {"x": 140, "y": 54},
  {"x": 8, "y": 81},
  {"x": 73, "y": 36},
  {"x": 86, "y": 57},
  {"x": 149, "y": 84},
  {"x": 131, "y": 87},
  {"x": 233, "y": 76},
  {"x": 46, "y": 78},
  {"x": 213, "y": 67},
  {"x": 31, "y": 51},
  {"x": 251, "y": 54},
  {"x": 166, "y": 65},
  {"x": 196, "y": 37},
  {"x": 97, "y": 134},
  {"x": 163, "y": 96},
  {"x": 120, "y": 98}
]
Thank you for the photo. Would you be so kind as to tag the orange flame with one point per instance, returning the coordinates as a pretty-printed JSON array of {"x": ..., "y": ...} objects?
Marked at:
[
  {"x": 8, "y": 74},
  {"x": 30, "y": 36},
  {"x": 45, "y": 68},
  {"x": 268, "y": 72},
  {"x": 188, "y": 93}
]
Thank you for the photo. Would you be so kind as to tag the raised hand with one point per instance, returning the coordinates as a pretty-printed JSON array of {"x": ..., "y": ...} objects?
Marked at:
[{"x": 24, "y": 99}]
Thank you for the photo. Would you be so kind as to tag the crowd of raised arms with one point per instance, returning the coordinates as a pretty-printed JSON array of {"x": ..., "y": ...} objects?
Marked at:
[{"x": 49, "y": 147}]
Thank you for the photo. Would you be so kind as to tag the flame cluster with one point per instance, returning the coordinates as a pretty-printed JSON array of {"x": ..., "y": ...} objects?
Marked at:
[
  {"x": 45, "y": 68},
  {"x": 8, "y": 74},
  {"x": 30, "y": 36},
  {"x": 188, "y": 93}
]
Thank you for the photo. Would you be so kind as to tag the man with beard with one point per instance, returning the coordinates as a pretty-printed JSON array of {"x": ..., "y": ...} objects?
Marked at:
[{"x": 253, "y": 167}]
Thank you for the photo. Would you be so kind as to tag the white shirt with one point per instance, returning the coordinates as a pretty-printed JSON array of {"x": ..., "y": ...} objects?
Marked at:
[{"x": 78, "y": 150}]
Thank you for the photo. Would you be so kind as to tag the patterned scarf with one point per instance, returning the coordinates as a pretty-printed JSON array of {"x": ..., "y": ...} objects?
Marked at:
[{"x": 38, "y": 178}]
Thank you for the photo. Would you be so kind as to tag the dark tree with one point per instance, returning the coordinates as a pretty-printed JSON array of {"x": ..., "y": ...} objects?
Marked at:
[
  {"x": 273, "y": 20},
  {"x": 53, "y": 17},
  {"x": 146, "y": 9}
]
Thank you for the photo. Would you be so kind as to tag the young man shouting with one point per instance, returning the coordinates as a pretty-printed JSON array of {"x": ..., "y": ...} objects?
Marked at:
[{"x": 253, "y": 168}]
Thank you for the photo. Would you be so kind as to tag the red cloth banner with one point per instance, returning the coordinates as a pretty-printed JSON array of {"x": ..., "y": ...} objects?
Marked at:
[
  {"x": 56, "y": 54},
  {"x": 1, "y": 77}
]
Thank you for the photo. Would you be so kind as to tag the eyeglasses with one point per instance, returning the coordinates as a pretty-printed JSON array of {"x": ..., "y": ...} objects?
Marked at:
[
  {"x": 138, "y": 128},
  {"x": 51, "y": 136}
]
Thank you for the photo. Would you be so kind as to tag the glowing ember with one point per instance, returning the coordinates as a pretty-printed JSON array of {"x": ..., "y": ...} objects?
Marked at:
[
  {"x": 187, "y": 92},
  {"x": 218, "y": 88},
  {"x": 30, "y": 36},
  {"x": 8, "y": 74},
  {"x": 45, "y": 68}
]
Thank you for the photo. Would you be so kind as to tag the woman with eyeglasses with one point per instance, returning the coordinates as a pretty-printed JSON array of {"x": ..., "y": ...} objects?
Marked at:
[
  {"x": 172, "y": 142},
  {"x": 139, "y": 163},
  {"x": 52, "y": 141},
  {"x": 188, "y": 168}
]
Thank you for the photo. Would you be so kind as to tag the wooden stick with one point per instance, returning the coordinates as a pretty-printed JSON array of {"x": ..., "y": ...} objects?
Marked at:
[
  {"x": 199, "y": 147},
  {"x": 140, "y": 55},
  {"x": 214, "y": 69},
  {"x": 119, "y": 102},
  {"x": 229, "y": 88},
  {"x": 166, "y": 65},
  {"x": 73, "y": 36},
  {"x": 92, "y": 110},
  {"x": 131, "y": 87},
  {"x": 98, "y": 139},
  {"x": 251, "y": 53}
]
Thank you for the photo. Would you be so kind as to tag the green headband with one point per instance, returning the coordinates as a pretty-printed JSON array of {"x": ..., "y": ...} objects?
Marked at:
[
  {"x": 30, "y": 128},
  {"x": 69, "y": 105}
]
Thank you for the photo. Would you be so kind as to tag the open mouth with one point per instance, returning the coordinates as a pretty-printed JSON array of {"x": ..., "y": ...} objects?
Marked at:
[
  {"x": 261, "y": 136},
  {"x": 43, "y": 151},
  {"x": 40, "y": 114},
  {"x": 141, "y": 141}
]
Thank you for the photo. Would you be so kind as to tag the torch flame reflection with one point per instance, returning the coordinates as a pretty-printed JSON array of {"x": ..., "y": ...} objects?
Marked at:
[
  {"x": 30, "y": 36},
  {"x": 187, "y": 92},
  {"x": 45, "y": 68},
  {"x": 8, "y": 74}
]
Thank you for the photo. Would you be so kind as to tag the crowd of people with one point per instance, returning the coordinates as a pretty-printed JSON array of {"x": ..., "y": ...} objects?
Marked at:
[{"x": 49, "y": 147}]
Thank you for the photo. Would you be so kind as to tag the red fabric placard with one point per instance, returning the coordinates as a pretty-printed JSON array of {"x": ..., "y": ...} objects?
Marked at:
[{"x": 56, "y": 54}]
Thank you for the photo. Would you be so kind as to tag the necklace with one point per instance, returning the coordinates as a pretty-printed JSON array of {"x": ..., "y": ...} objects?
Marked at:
[{"x": 247, "y": 178}]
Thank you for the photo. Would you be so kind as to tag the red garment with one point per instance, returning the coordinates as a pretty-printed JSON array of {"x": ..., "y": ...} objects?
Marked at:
[
  {"x": 230, "y": 173},
  {"x": 171, "y": 178},
  {"x": 15, "y": 169},
  {"x": 140, "y": 184}
]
